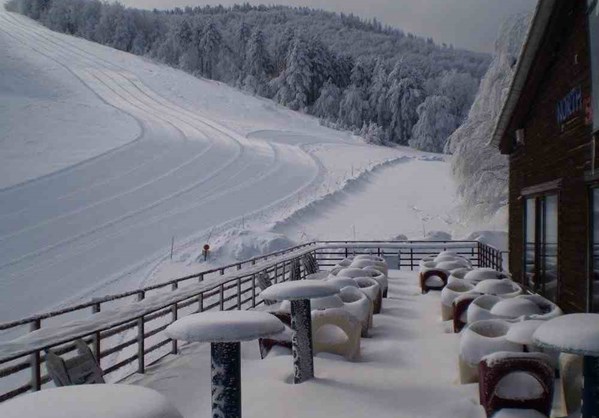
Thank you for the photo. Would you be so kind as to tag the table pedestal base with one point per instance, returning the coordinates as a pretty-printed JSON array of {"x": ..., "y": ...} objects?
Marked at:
[
  {"x": 590, "y": 392},
  {"x": 226, "y": 380},
  {"x": 301, "y": 323}
]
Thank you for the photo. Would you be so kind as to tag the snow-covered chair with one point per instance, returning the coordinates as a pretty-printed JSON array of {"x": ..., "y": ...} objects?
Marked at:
[
  {"x": 480, "y": 308},
  {"x": 368, "y": 262},
  {"x": 549, "y": 310},
  {"x": 484, "y": 273},
  {"x": 454, "y": 264},
  {"x": 372, "y": 290},
  {"x": 460, "y": 307},
  {"x": 336, "y": 331},
  {"x": 515, "y": 308},
  {"x": 571, "y": 379},
  {"x": 380, "y": 277},
  {"x": 282, "y": 340},
  {"x": 264, "y": 283},
  {"x": 311, "y": 268},
  {"x": 80, "y": 369},
  {"x": 458, "y": 274},
  {"x": 433, "y": 279},
  {"x": 516, "y": 380},
  {"x": 478, "y": 340},
  {"x": 358, "y": 304},
  {"x": 506, "y": 288},
  {"x": 371, "y": 273},
  {"x": 449, "y": 294}
]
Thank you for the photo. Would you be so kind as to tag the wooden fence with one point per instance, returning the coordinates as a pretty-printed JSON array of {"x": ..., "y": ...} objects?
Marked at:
[{"x": 125, "y": 331}]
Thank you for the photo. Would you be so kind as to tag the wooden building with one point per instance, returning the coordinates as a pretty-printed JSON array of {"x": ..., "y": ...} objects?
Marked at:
[{"x": 546, "y": 127}]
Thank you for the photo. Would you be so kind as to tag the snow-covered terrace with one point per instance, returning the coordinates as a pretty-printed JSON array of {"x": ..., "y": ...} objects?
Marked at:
[{"x": 408, "y": 366}]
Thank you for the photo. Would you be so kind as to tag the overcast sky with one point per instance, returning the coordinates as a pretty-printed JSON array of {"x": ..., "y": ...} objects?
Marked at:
[{"x": 471, "y": 24}]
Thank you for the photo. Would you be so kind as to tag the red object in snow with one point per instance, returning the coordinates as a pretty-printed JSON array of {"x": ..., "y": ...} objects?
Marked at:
[
  {"x": 491, "y": 376},
  {"x": 431, "y": 273},
  {"x": 206, "y": 247}
]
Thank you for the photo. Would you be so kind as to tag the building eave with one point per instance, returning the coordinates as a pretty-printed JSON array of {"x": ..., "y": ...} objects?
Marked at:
[{"x": 529, "y": 51}]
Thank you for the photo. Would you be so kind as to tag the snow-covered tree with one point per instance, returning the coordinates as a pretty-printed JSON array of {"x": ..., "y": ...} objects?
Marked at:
[
  {"x": 257, "y": 65},
  {"x": 378, "y": 92},
  {"x": 404, "y": 97},
  {"x": 373, "y": 133},
  {"x": 352, "y": 108},
  {"x": 480, "y": 170},
  {"x": 436, "y": 122},
  {"x": 460, "y": 88},
  {"x": 296, "y": 80},
  {"x": 327, "y": 104},
  {"x": 211, "y": 45}
]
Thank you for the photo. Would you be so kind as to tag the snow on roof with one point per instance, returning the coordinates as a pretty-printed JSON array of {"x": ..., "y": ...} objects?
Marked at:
[
  {"x": 225, "y": 326},
  {"x": 575, "y": 333},
  {"x": 525, "y": 62},
  {"x": 299, "y": 290},
  {"x": 91, "y": 401}
]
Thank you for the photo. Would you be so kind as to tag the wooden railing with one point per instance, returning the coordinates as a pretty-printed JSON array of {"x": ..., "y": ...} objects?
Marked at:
[{"x": 125, "y": 331}]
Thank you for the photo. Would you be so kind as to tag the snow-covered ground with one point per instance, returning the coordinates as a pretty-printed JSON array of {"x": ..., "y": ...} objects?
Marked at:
[
  {"x": 106, "y": 157},
  {"x": 407, "y": 369}
]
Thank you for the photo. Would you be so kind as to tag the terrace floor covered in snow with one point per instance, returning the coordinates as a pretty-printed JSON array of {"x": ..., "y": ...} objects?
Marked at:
[{"x": 408, "y": 369}]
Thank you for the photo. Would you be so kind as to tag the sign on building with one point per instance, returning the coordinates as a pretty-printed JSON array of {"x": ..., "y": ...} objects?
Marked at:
[{"x": 594, "y": 35}]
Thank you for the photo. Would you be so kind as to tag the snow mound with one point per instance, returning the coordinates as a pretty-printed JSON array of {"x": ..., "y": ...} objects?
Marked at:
[
  {"x": 497, "y": 239},
  {"x": 437, "y": 236},
  {"x": 239, "y": 245}
]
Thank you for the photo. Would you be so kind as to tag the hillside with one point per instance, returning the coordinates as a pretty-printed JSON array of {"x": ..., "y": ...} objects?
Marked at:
[{"x": 389, "y": 86}]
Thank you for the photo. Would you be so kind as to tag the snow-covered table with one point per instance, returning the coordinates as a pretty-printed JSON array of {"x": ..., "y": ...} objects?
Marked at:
[
  {"x": 299, "y": 294},
  {"x": 91, "y": 401},
  {"x": 225, "y": 331},
  {"x": 577, "y": 334}
]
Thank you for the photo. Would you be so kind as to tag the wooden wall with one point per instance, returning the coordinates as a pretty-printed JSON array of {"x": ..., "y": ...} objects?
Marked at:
[{"x": 550, "y": 153}]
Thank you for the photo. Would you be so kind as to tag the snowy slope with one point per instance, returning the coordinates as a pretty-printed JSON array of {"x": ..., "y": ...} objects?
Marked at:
[{"x": 145, "y": 153}]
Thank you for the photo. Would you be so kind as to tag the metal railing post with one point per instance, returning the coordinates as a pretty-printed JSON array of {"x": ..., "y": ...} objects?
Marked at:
[
  {"x": 141, "y": 351},
  {"x": 96, "y": 338},
  {"x": 35, "y": 361},
  {"x": 222, "y": 297},
  {"x": 253, "y": 290},
  {"x": 239, "y": 294}
]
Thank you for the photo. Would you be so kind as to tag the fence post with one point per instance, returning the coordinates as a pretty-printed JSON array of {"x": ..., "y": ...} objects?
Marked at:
[
  {"x": 201, "y": 278},
  {"x": 222, "y": 297},
  {"x": 174, "y": 316},
  {"x": 253, "y": 290},
  {"x": 96, "y": 338},
  {"x": 411, "y": 258},
  {"x": 222, "y": 272},
  {"x": 398, "y": 259},
  {"x": 239, "y": 294},
  {"x": 141, "y": 364},
  {"x": 35, "y": 360},
  {"x": 201, "y": 303}
]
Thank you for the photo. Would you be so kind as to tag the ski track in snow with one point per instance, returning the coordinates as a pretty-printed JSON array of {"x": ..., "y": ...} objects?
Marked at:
[{"x": 104, "y": 223}]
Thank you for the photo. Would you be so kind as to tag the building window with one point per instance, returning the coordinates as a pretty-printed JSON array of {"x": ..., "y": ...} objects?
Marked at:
[
  {"x": 541, "y": 245},
  {"x": 594, "y": 279}
]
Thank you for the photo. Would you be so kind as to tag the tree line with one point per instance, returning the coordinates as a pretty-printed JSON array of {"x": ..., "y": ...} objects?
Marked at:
[{"x": 389, "y": 86}]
